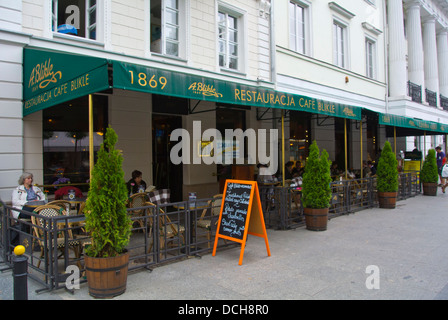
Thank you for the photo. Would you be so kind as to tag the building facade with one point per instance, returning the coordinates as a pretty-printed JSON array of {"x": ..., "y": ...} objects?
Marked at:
[{"x": 320, "y": 70}]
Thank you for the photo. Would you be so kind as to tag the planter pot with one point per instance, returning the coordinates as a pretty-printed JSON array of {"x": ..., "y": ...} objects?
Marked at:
[
  {"x": 387, "y": 200},
  {"x": 316, "y": 219},
  {"x": 107, "y": 277},
  {"x": 429, "y": 189}
]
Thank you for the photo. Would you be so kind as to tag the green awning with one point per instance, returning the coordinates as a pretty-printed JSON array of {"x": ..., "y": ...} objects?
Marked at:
[
  {"x": 411, "y": 123},
  {"x": 51, "y": 77},
  {"x": 154, "y": 80}
]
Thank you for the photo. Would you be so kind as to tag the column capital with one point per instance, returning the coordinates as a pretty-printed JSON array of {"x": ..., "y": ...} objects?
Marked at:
[
  {"x": 408, "y": 4},
  {"x": 429, "y": 19}
]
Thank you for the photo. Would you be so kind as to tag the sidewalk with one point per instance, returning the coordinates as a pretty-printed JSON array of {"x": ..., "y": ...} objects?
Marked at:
[{"x": 408, "y": 245}]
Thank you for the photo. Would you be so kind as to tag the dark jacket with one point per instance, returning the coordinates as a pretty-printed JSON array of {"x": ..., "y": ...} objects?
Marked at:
[{"x": 133, "y": 187}]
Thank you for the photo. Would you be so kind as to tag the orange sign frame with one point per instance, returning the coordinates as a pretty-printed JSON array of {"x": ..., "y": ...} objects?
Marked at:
[{"x": 254, "y": 219}]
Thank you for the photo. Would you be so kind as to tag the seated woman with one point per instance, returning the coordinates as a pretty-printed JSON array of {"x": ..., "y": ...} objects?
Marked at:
[
  {"x": 24, "y": 193},
  {"x": 136, "y": 184}
]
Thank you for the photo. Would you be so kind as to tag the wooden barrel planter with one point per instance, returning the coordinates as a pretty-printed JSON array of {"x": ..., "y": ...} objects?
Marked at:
[
  {"x": 429, "y": 189},
  {"x": 316, "y": 219},
  {"x": 387, "y": 200},
  {"x": 107, "y": 277}
]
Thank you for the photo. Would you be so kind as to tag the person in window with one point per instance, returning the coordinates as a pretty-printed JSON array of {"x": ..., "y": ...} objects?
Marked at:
[
  {"x": 24, "y": 193},
  {"x": 136, "y": 184}
]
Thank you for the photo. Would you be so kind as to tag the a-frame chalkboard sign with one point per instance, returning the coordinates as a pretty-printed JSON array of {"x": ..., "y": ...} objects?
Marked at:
[{"x": 241, "y": 214}]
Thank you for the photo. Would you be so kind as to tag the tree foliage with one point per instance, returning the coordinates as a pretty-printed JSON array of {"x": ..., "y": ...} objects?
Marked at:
[
  {"x": 106, "y": 216},
  {"x": 387, "y": 170},
  {"x": 316, "y": 190},
  {"x": 429, "y": 172}
]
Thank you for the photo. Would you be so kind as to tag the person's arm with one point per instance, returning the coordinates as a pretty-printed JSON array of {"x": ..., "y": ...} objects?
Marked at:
[{"x": 18, "y": 200}]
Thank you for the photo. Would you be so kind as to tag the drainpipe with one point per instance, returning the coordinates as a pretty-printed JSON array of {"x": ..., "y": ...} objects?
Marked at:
[
  {"x": 386, "y": 54},
  {"x": 273, "y": 45}
]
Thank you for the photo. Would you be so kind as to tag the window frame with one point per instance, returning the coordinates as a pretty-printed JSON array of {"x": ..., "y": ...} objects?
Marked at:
[
  {"x": 98, "y": 25},
  {"x": 240, "y": 17},
  {"x": 306, "y": 23},
  {"x": 182, "y": 30},
  {"x": 371, "y": 69},
  {"x": 339, "y": 45}
]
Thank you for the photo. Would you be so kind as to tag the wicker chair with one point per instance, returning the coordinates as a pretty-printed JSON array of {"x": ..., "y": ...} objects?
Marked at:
[
  {"x": 208, "y": 214},
  {"x": 137, "y": 200},
  {"x": 168, "y": 230},
  {"x": 42, "y": 231}
]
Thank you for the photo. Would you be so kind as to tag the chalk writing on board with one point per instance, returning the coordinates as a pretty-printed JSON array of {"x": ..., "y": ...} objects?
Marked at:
[{"x": 235, "y": 208}]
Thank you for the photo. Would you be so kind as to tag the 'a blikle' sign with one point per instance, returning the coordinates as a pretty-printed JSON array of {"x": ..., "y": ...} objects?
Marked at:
[{"x": 241, "y": 214}]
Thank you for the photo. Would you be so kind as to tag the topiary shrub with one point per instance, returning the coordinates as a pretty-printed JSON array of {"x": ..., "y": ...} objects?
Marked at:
[
  {"x": 429, "y": 172},
  {"x": 387, "y": 170},
  {"x": 316, "y": 190},
  {"x": 106, "y": 216}
]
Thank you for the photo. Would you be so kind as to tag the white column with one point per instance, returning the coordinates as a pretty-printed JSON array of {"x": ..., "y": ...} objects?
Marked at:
[
  {"x": 431, "y": 61},
  {"x": 442, "y": 55},
  {"x": 397, "y": 50},
  {"x": 415, "y": 44}
]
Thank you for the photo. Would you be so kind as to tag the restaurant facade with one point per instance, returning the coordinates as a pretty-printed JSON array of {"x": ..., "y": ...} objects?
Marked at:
[{"x": 148, "y": 68}]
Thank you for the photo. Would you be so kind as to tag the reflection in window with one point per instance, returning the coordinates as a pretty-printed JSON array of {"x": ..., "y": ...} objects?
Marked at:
[
  {"x": 66, "y": 140},
  {"x": 75, "y": 17}
]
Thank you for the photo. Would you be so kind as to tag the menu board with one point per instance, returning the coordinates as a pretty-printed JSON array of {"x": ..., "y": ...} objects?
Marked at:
[
  {"x": 235, "y": 208},
  {"x": 241, "y": 214}
]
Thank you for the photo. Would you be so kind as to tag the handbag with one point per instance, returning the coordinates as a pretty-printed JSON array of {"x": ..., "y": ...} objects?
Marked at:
[{"x": 444, "y": 172}]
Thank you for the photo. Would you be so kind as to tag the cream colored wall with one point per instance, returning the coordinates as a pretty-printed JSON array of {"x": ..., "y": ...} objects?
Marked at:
[{"x": 318, "y": 66}]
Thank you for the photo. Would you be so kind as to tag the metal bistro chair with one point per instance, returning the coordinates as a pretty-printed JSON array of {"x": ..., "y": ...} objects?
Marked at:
[
  {"x": 137, "y": 200},
  {"x": 45, "y": 238},
  {"x": 207, "y": 217}
]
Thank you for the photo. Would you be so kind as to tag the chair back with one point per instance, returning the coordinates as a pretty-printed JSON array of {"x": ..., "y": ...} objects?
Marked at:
[
  {"x": 216, "y": 204},
  {"x": 164, "y": 220},
  {"x": 137, "y": 200},
  {"x": 64, "y": 204},
  {"x": 48, "y": 211},
  {"x": 159, "y": 197}
]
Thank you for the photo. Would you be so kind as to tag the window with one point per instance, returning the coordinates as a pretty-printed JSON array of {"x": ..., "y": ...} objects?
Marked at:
[
  {"x": 370, "y": 58},
  {"x": 297, "y": 27},
  {"x": 340, "y": 44},
  {"x": 66, "y": 139},
  {"x": 166, "y": 28},
  {"x": 228, "y": 40},
  {"x": 75, "y": 17}
]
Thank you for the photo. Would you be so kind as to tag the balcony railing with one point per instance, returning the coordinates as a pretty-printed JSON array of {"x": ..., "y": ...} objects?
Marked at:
[
  {"x": 431, "y": 97},
  {"x": 415, "y": 92},
  {"x": 444, "y": 102}
]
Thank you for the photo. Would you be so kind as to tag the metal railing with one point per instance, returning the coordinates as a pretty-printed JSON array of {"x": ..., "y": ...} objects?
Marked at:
[
  {"x": 282, "y": 206},
  {"x": 415, "y": 92},
  {"x": 431, "y": 97},
  {"x": 171, "y": 232}
]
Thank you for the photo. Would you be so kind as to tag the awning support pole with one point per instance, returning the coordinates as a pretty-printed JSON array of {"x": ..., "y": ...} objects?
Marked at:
[
  {"x": 283, "y": 148},
  {"x": 360, "y": 138},
  {"x": 345, "y": 146}
]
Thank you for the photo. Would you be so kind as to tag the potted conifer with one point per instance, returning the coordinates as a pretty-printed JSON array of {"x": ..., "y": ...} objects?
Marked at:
[
  {"x": 316, "y": 189},
  {"x": 429, "y": 175},
  {"x": 108, "y": 223},
  {"x": 387, "y": 178}
]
